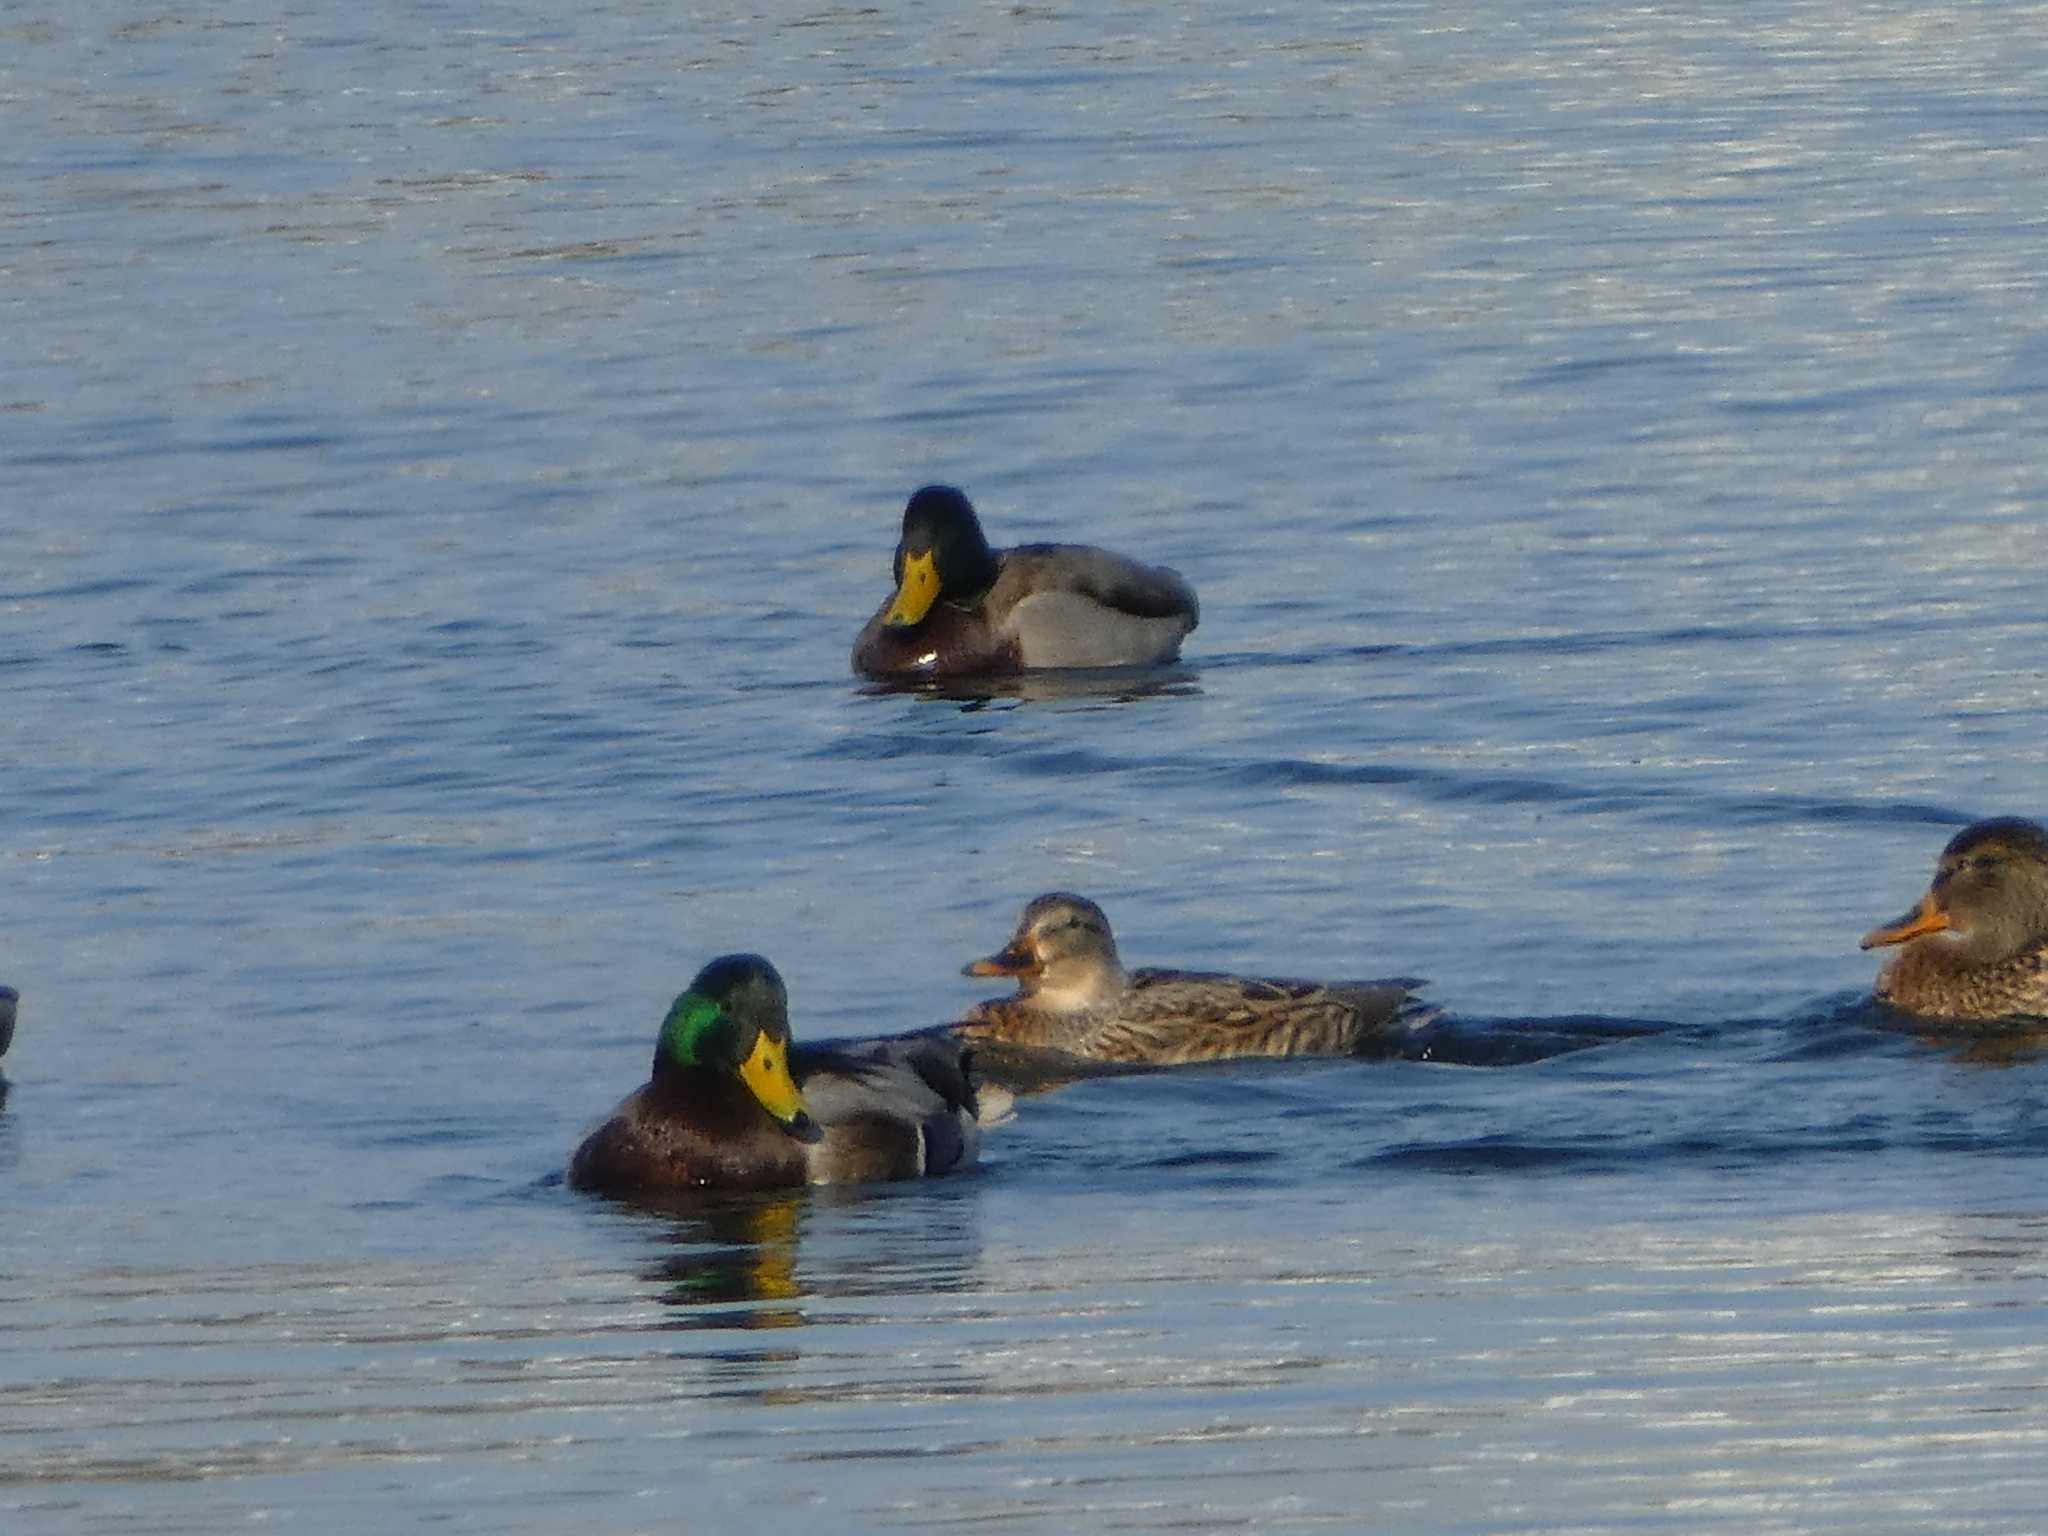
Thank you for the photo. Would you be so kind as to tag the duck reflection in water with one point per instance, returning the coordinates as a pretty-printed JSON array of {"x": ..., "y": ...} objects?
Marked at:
[
  {"x": 1998, "y": 1045},
  {"x": 735, "y": 1248},
  {"x": 9, "y": 1000},
  {"x": 785, "y": 1260},
  {"x": 1083, "y": 685}
]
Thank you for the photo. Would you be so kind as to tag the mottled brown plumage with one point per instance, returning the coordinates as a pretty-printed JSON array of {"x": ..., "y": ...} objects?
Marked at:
[
  {"x": 1075, "y": 997},
  {"x": 1976, "y": 947},
  {"x": 963, "y": 609}
]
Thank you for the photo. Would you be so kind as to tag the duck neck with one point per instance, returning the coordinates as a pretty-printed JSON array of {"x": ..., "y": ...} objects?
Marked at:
[
  {"x": 967, "y": 566},
  {"x": 709, "y": 1100},
  {"x": 1079, "y": 986}
]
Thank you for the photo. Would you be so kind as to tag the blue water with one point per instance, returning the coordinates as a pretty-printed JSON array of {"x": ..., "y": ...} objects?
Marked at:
[{"x": 447, "y": 456}]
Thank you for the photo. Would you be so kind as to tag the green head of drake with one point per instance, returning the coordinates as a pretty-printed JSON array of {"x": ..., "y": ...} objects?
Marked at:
[
  {"x": 943, "y": 553},
  {"x": 734, "y": 1021}
]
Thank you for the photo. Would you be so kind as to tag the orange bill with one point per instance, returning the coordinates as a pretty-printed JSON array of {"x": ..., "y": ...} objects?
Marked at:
[
  {"x": 1013, "y": 961},
  {"x": 1923, "y": 919}
]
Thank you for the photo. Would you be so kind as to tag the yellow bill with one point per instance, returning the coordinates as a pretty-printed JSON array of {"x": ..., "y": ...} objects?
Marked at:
[
  {"x": 916, "y": 591},
  {"x": 766, "y": 1074}
]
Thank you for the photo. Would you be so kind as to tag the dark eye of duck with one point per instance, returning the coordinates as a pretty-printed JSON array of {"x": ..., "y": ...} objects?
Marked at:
[{"x": 1968, "y": 864}]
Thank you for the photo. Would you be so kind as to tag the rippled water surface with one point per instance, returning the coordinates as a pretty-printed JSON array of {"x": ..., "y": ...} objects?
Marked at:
[{"x": 447, "y": 456}]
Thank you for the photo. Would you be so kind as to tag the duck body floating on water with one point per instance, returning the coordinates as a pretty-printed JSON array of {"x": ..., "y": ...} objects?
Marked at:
[
  {"x": 1075, "y": 997},
  {"x": 1975, "y": 949},
  {"x": 961, "y": 608},
  {"x": 733, "y": 1103}
]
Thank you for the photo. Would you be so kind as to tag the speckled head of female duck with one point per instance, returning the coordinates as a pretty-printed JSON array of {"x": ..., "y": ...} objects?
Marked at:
[
  {"x": 1062, "y": 955},
  {"x": 1976, "y": 946}
]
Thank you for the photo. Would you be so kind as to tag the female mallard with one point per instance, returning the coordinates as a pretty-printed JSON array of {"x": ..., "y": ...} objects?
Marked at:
[
  {"x": 1976, "y": 947},
  {"x": 733, "y": 1104},
  {"x": 961, "y": 608},
  {"x": 1074, "y": 996}
]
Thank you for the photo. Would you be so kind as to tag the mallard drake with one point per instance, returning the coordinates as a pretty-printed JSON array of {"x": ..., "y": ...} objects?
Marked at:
[
  {"x": 1074, "y": 996},
  {"x": 961, "y": 608},
  {"x": 734, "y": 1104},
  {"x": 1976, "y": 947}
]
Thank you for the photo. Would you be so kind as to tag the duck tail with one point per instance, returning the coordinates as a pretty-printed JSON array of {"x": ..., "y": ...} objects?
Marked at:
[{"x": 993, "y": 1105}]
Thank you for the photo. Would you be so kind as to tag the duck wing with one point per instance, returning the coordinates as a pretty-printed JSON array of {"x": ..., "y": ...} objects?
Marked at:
[
  {"x": 1170, "y": 1017},
  {"x": 1115, "y": 581},
  {"x": 891, "y": 1108}
]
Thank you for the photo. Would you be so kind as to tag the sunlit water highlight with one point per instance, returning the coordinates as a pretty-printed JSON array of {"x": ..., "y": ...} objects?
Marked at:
[{"x": 447, "y": 459}]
